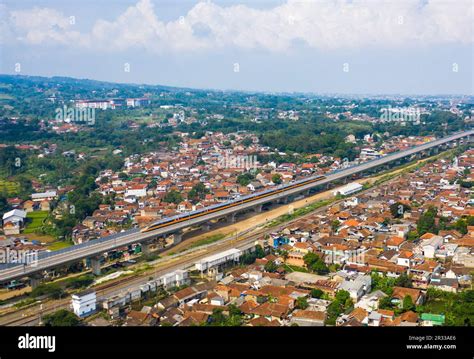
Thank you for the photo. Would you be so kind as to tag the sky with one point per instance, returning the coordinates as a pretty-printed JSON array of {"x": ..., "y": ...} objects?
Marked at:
[{"x": 320, "y": 46}]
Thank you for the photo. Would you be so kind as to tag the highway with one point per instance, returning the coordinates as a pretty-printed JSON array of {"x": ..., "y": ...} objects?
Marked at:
[{"x": 102, "y": 245}]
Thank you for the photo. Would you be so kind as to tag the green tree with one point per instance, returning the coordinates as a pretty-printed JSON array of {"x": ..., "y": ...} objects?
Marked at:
[
  {"x": 398, "y": 209},
  {"x": 270, "y": 266},
  {"x": 403, "y": 280},
  {"x": 385, "y": 303},
  {"x": 301, "y": 303},
  {"x": 383, "y": 283},
  {"x": 173, "y": 196},
  {"x": 315, "y": 264},
  {"x": 276, "y": 178},
  {"x": 3, "y": 203},
  {"x": 341, "y": 303},
  {"x": 426, "y": 223},
  {"x": 408, "y": 304},
  {"x": 61, "y": 318},
  {"x": 412, "y": 236},
  {"x": 52, "y": 290},
  {"x": 245, "y": 178},
  {"x": 247, "y": 141},
  {"x": 335, "y": 225},
  {"x": 198, "y": 192},
  {"x": 461, "y": 225},
  {"x": 316, "y": 293},
  {"x": 259, "y": 252}
]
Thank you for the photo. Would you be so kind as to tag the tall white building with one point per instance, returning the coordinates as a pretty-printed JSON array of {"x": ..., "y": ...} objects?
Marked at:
[{"x": 84, "y": 303}]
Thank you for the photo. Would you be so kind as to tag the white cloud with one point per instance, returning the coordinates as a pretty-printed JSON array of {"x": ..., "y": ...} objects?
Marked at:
[
  {"x": 37, "y": 26},
  {"x": 322, "y": 24}
]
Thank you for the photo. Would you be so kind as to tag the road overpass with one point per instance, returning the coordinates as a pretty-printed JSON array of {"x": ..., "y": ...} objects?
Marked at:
[{"x": 94, "y": 249}]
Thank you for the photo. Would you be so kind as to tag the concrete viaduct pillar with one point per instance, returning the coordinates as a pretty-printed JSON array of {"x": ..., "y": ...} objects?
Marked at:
[
  {"x": 95, "y": 265},
  {"x": 35, "y": 280},
  {"x": 206, "y": 227},
  {"x": 146, "y": 247},
  {"x": 258, "y": 208},
  {"x": 231, "y": 217},
  {"x": 177, "y": 237}
]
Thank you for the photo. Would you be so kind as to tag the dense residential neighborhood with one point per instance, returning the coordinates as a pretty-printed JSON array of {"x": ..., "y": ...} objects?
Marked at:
[{"x": 379, "y": 258}]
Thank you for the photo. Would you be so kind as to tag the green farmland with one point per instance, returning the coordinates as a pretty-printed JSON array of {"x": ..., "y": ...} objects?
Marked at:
[{"x": 35, "y": 221}]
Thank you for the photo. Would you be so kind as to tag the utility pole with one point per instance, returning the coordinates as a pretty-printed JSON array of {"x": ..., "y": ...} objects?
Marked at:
[{"x": 40, "y": 318}]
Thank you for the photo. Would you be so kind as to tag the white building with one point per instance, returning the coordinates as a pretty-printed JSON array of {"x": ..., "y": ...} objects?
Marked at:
[
  {"x": 430, "y": 246},
  {"x": 174, "y": 279},
  {"x": 348, "y": 189},
  {"x": 137, "y": 102},
  {"x": 49, "y": 195},
  {"x": 369, "y": 154},
  {"x": 136, "y": 191},
  {"x": 370, "y": 302},
  {"x": 84, "y": 304},
  {"x": 216, "y": 260},
  {"x": 357, "y": 286},
  {"x": 16, "y": 216}
]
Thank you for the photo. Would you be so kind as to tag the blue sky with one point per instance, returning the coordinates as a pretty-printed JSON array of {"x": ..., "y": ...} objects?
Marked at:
[{"x": 321, "y": 46}]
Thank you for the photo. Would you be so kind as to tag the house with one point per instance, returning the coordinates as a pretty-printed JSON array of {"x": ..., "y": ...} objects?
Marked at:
[
  {"x": 49, "y": 195},
  {"x": 217, "y": 300},
  {"x": 370, "y": 301},
  {"x": 45, "y": 205},
  {"x": 15, "y": 216},
  {"x": 295, "y": 259},
  {"x": 399, "y": 293},
  {"x": 404, "y": 258},
  {"x": 29, "y": 206},
  {"x": 271, "y": 311},
  {"x": 168, "y": 302},
  {"x": 89, "y": 222},
  {"x": 13, "y": 221},
  {"x": 431, "y": 245},
  {"x": 139, "y": 318},
  {"x": 394, "y": 242},
  {"x": 138, "y": 190},
  {"x": 430, "y": 320},
  {"x": 308, "y": 318},
  {"x": 254, "y": 186},
  {"x": 374, "y": 319},
  {"x": 11, "y": 228},
  {"x": 356, "y": 286},
  {"x": 187, "y": 294},
  {"x": 444, "y": 284}
]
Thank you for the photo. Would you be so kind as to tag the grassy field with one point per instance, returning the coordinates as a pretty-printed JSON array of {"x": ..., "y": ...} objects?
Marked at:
[
  {"x": 208, "y": 240},
  {"x": 36, "y": 220},
  {"x": 300, "y": 212},
  {"x": 10, "y": 187},
  {"x": 55, "y": 246},
  {"x": 291, "y": 268}
]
